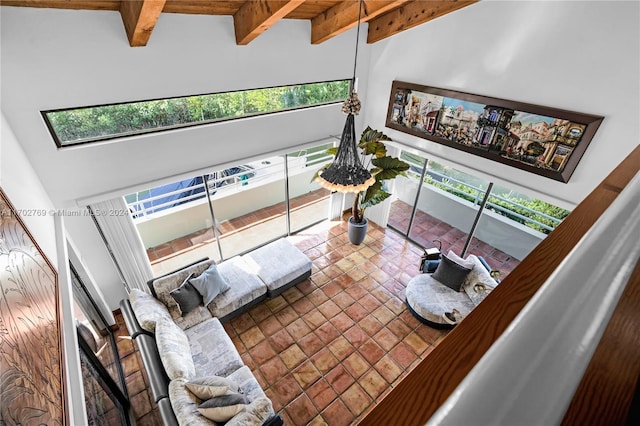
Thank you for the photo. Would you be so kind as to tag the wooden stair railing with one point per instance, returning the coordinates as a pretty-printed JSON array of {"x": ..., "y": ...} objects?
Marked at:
[{"x": 428, "y": 386}]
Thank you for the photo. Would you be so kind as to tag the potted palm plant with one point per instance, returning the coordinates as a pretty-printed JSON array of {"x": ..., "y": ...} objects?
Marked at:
[{"x": 382, "y": 167}]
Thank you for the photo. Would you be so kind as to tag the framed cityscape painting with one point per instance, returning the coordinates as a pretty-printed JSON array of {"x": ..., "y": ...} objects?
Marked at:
[{"x": 541, "y": 140}]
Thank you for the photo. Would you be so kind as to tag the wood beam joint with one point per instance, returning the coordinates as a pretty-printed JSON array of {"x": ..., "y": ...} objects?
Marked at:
[
  {"x": 139, "y": 18},
  {"x": 255, "y": 17},
  {"x": 344, "y": 16}
]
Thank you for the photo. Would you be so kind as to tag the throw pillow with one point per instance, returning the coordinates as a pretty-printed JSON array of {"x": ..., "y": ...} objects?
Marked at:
[
  {"x": 186, "y": 296},
  {"x": 209, "y": 284},
  {"x": 479, "y": 275},
  {"x": 210, "y": 386},
  {"x": 222, "y": 408},
  {"x": 460, "y": 261},
  {"x": 450, "y": 273},
  {"x": 148, "y": 309},
  {"x": 174, "y": 350},
  {"x": 165, "y": 284}
]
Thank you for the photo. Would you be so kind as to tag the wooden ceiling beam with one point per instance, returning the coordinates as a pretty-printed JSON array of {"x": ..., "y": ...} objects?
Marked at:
[
  {"x": 410, "y": 15},
  {"x": 139, "y": 18},
  {"x": 344, "y": 16},
  {"x": 65, "y": 4},
  {"x": 255, "y": 17}
]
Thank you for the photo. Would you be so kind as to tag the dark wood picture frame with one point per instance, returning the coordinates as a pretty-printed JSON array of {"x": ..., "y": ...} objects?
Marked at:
[
  {"x": 32, "y": 388},
  {"x": 546, "y": 141}
]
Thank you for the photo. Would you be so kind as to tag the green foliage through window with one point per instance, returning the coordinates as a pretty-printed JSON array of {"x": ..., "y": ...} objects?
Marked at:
[
  {"x": 531, "y": 212},
  {"x": 87, "y": 124}
]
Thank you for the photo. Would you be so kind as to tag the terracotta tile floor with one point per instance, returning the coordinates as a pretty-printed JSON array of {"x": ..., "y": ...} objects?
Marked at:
[{"x": 325, "y": 350}]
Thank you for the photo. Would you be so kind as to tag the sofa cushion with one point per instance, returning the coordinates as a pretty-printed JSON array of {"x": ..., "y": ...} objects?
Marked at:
[
  {"x": 479, "y": 282},
  {"x": 278, "y": 263},
  {"x": 164, "y": 285},
  {"x": 222, "y": 408},
  {"x": 209, "y": 284},
  {"x": 186, "y": 296},
  {"x": 246, "y": 287},
  {"x": 247, "y": 383},
  {"x": 210, "y": 386},
  {"x": 255, "y": 414},
  {"x": 212, "y": 351},
  {"x": 199, "y": 314},
  {"x": 460, "y": 261},
  {"x": 148, "y": 309},
  {"x": 450, "y": 273},
  {"x": 185, "y": 403},
  {"x": 430, "y": 299},
  {"x": 174, "y": 350}
]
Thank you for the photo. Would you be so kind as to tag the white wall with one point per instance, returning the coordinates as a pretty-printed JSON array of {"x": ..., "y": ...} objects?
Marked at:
[
  {"x": 26, "y": 193},
  {"x": 24, "y": 189},
  {"x": 582, "y": 56},
  {"x": 576, "y": 55},
  {"x": 87, "y": 248},
  {"x": 59, "y": 58}
]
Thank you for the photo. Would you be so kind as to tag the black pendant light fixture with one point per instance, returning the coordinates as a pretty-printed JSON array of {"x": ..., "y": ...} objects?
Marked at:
[{"x": 346, "y": 173}]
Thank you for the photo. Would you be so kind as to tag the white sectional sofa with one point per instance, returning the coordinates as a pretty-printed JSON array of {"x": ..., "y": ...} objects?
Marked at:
[{"x": 177, "y": 347}]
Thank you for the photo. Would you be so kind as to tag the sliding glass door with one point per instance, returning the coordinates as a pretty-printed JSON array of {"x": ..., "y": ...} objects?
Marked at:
[
  {"x": 407, "y": 191},
  {"x": 511, "y": 225},
  {"x": 446, "y": 209},
  {"x": 249, "y": 206},
  {"x": 308, "y": 201},
  {"x": 439, "y": 206},
  {"x": 231, "y": 210}
]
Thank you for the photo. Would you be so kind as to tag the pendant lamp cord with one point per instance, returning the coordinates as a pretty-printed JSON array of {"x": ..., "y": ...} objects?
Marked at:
[{"x": 355, "y": 60}]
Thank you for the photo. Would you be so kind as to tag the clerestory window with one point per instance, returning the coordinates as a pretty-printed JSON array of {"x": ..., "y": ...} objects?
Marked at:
[{"x": 73, "y": 126}]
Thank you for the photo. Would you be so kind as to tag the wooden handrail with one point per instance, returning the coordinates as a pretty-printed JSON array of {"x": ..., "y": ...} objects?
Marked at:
[
  {"x": 427, "y": 387},
  {"x": 606, "y": 391}
]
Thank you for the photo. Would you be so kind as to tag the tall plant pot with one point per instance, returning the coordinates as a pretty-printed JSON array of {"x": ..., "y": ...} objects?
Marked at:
[{"x": 357, "y": 231}]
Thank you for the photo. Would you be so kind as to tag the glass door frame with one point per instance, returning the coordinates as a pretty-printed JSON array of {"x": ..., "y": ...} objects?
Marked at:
[
  {"x": 414, "y": 207},
  {"x": 105, "y": 379},
  {"x": 119, "y": 398}
]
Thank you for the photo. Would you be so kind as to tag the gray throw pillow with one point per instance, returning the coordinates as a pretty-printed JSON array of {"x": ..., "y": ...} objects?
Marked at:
[
  {"x": 450, "y": 273},
  {"x": 186, "y": 296},
  {"x": 222, "y": 408},
  {"x": 210, "y": 284}
]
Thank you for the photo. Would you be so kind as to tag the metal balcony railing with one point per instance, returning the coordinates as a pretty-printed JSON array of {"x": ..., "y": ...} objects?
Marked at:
[
  {"x": 475, "y": 195},
  {"x": 229, "y": 179}
]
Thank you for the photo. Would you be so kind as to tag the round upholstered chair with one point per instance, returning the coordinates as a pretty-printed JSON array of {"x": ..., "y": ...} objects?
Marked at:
[{"x": 440, "y": 306}]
